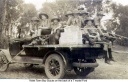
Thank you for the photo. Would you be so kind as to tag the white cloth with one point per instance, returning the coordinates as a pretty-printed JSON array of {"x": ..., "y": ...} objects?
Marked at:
[{"x": 71, "y": 35}]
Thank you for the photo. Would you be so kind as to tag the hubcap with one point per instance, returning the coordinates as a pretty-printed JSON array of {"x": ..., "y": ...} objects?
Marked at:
[
  {"x": 54, "y": 67},
  {"x": 2, "y": 61}
]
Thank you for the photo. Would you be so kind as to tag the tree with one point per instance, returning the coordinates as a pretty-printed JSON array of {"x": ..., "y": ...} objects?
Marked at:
[
  {"x": 29, "y": 11},
  {"x": 13, "y": 11},
  {"x": 60, "y": 7}
]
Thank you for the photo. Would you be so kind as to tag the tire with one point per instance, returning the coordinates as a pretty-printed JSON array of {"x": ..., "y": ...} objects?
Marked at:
[
  {"x": 84, "y": 71},
  {"x": 28, "y": 65},
  {"x": 54, "y": 67},
  {"x": 3, "y": 62}
]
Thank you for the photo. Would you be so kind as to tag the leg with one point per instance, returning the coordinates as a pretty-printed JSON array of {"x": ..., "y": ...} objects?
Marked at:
[
  {"x": 110, "y": 54},
  {"x": 52, "y": 39},
  {"x": 86, "y": 37},
  {"x": 106, "y": 54},
  {"x": 106, "y": 58}
]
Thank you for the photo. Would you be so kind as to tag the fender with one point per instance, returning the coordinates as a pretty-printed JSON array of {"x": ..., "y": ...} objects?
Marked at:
[
  {"x": 6, "y": 53},
  {"x": 62, "y": 54}
]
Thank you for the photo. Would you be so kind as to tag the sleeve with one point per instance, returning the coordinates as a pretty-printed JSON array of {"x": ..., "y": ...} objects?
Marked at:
[
  {"x": 48, "y": 24},
  {"x": 85, "y": 30},
  {"x": 96, "y": 22},
  {"x": 69, "y": 21}
]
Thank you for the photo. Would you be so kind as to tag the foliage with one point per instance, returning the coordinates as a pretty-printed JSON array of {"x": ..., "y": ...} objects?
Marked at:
[
  {"x": 16, "y": 11},
  {"x": 120, "y": 17},
  {"x": 12, "y": 12},
  {"x": 60, "y": 7}
]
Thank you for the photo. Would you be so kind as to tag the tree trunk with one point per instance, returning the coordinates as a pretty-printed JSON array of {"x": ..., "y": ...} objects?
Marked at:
[{"x": 2, "y": 21}]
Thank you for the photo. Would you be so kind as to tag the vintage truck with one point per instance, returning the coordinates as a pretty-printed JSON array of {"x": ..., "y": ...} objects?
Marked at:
[{"x": 55, "y": 58}]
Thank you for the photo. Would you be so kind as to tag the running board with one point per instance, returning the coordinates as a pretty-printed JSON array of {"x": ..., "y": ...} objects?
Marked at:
[{"x": 30, "y": 60}]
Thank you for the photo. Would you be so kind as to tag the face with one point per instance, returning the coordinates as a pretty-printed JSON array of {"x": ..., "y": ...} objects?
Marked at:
[
  {"x": 70, "y": 16},
  {"x": 84, "y": 15},
  {"x": 89, "y": 23},
  {"x": 100, "y": 17},
  {"x": 55, "y": 21},
  {"x": 43, "y": 17},
  {"x": 76, "y": 15},
  {"x": 34, "y": 22}
]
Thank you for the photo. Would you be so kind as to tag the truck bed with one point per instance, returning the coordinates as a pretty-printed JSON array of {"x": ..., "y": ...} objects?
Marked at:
[{"x": 63, "y": 46}]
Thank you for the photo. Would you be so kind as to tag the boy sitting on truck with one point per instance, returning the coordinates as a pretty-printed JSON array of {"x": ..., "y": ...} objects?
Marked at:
[
  {"x": 90, "y": 33},
  {"x": 55, "y": 33}
]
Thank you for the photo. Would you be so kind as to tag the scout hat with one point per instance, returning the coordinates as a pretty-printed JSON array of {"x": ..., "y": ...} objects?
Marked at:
[
  {"x": 55, "y": 18},
  {"x": 84, "y": 12},
  {"x": 89, "y": 19},
  {"x": 100, "y": 14},
  {"x": 76, "y": 12},
  {"x": 34, "y": 19},
  {"x": 44, "y": 15},
  {"x": 69, "y": 13}
]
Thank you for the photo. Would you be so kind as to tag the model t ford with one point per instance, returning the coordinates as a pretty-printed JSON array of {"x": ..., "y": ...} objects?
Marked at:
[{"x": 69, "y": 54}]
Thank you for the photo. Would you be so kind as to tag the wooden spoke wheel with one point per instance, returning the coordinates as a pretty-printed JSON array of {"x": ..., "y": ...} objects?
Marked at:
[
  {"x": 54, "y": 67},
  {"x": 3, "y": 62}
]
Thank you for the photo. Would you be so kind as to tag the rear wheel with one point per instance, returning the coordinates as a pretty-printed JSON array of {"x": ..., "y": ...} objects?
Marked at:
[
  {"x": 84, "y": 71},
  {"x": 3, "y": 62},
  {"x": 54, "y": 67}
]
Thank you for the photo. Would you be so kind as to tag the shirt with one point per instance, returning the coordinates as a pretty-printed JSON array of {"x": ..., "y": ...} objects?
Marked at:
[
  {"x": 55, "y": 26},
  {"x": 45, "y": 23},
  {"x": 75, "y": 21}
]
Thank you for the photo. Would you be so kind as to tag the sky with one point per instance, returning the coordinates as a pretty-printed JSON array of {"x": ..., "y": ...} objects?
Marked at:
[
  {"x": 123, "y": 2},
  {"x": 38, "y": 3}
]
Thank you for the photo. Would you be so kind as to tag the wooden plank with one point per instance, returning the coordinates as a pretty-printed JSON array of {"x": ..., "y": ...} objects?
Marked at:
[{"x": 62, "y": 46}]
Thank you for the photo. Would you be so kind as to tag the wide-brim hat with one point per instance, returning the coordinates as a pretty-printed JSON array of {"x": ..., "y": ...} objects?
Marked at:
[
  {"x": 55, "y": 18},
  {"x": 84, "y": 12},
  {"x": 35, "y": 19},
  {"x": 89, "y": 19},
  {"x": 44, "y": 15},
  {"x": 76, "y": 12},
  {"x": 100, "y": 14},
  {"x": 69, "y": 13}
]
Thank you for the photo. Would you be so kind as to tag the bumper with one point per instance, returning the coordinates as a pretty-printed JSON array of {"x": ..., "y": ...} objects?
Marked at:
[{"x": 75, "y": 64}]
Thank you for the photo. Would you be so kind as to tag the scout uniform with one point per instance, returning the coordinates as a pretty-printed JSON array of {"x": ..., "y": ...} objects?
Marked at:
[
  {"x": 34, "y": 26},
  {"x": 77, "y": 21},
  {"x": 84, "y": 15},
  {"x": 90, "y": 33},
  {"x": 91, "y": 30},
  {"x": 43, "y": 29},
  {"x": 105, "y": 38},
  {"x": 70, "y": 18},
  {"x": 55, "y": 34},
  {"x": 44, "y": 26}
]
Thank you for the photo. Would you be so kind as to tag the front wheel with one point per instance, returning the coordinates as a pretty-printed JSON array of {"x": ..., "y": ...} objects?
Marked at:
[
  {"x": 54, "y": 67},
  {"x": 3, "y": 62}
]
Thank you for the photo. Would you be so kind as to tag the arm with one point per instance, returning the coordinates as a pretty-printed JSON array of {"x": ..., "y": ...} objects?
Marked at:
[
  {"x": 69, "y": 21},
  {"x": 44, "y": 25}
]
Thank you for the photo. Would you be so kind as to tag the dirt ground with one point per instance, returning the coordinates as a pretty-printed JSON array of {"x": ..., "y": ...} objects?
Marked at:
[{"x": 118, "y": 69}]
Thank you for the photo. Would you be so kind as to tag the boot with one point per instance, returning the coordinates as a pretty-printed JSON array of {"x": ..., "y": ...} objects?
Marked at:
[
  {"x": 108, "y": 62},
  {"x": 112, "y": 59}
]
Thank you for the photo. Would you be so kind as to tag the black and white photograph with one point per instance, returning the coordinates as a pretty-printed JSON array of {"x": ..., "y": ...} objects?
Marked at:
[{"x": 64, "y": 39}]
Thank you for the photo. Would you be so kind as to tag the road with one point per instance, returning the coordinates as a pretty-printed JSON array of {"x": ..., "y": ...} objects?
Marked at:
[{"x": 117, "y": 70}]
